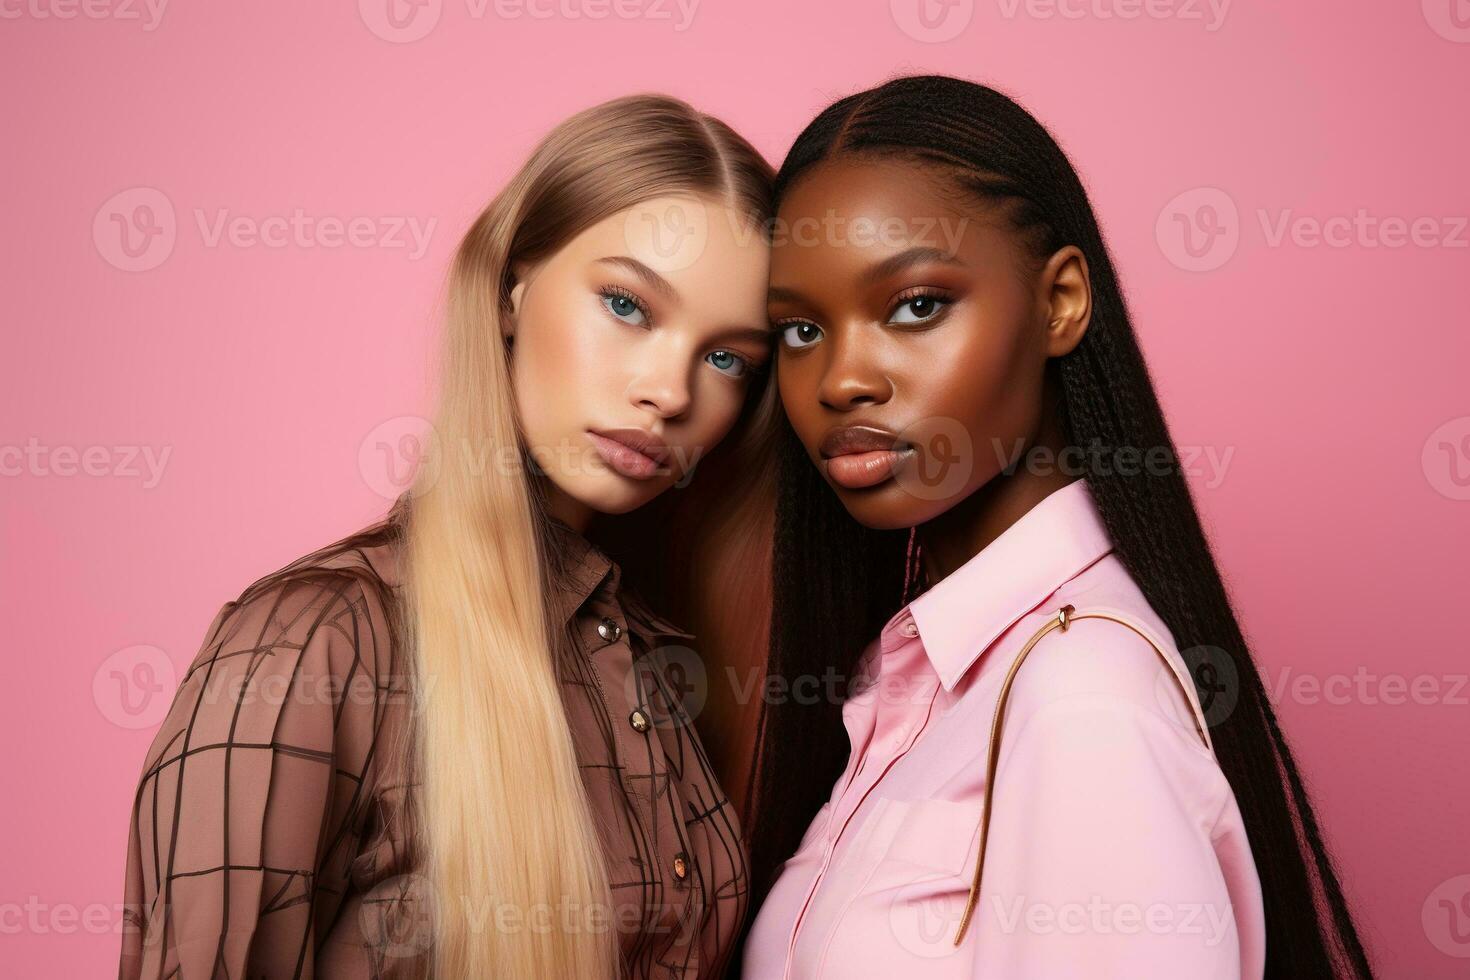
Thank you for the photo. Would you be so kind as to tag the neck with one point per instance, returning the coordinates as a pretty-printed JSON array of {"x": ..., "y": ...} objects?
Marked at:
[
  {"x": 960, "y": 533},
  {"x": 567, "y": 509}
]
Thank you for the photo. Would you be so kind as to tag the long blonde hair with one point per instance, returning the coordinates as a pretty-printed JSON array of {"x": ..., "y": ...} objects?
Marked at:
[{"x": 500, "y": 812}]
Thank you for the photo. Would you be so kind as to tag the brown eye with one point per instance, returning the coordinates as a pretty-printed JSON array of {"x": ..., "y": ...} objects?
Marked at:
[
  {"x": 917, "y": 309},
  {"x": 800, "y": 334}
]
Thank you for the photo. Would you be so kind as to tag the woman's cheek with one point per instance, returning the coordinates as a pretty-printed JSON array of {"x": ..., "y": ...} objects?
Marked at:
[
  {"x": 716, "y": 408},
  {"x": 583, "y": 349}
]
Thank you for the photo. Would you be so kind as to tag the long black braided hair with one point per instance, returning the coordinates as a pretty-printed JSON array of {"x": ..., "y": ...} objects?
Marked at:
[{"x": 837, "y": 583}]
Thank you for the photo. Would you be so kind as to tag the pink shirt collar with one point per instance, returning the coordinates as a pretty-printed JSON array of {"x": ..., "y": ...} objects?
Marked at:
[{"x": 959, "y": 617}]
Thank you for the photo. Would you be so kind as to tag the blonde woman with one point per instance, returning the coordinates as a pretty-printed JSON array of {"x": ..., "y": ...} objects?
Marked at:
[{"x": 450, "y": 744}]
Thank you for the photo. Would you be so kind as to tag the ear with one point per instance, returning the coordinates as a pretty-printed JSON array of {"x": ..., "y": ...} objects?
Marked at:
[
  {"x": 1067, "y": 300},
  {"x": 517, "y": 298}
]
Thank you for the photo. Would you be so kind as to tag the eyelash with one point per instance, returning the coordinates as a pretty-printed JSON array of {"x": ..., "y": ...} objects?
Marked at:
[
  {"x": 611, "y": 290},
  {"x": 751, "y": 367},
  {"x": 922, "y": 292},
  {"x": 939, "y": 296},
  {"x": 780, "y": 326}
]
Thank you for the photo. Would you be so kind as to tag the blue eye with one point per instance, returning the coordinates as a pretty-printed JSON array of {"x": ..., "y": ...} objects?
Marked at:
[
  {"x": 624, "y": 306},
  {"x": 727, "y": 363},
  {"x": 800, "y": 334},
  {"x": 917, "y": 309}
]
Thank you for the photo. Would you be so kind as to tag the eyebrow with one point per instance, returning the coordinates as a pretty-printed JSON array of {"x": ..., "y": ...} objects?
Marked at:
[
  {"x": 891, "y": 266},
  {"x": 658, "y": 282},
  {"x": 780, "y": 294},
  {"x": 918, "y": 255},
  {"x": 653, "y": 279},
  {"x": 759, "y": 335}
]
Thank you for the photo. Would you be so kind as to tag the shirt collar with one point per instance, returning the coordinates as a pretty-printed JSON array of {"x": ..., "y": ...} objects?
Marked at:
[
  {"x": 959, "y": 617},
  {"x": 580, "y": 569}
]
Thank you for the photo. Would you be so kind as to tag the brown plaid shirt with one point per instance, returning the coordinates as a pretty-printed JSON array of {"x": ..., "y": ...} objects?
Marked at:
[{"x": 268, "y": 831}]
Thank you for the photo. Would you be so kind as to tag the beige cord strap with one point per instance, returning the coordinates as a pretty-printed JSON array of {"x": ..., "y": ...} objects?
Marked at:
[{"x": 1063, "y": 619}]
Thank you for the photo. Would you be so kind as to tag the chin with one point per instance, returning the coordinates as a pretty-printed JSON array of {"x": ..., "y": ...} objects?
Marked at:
[
  {"x": 614, "y": 494},
  {"x": 890, "y": 507},
  {"x": 886, "y": 507}
]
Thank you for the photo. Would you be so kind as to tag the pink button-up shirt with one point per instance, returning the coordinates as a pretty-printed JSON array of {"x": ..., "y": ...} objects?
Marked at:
[{"x": 1115, "y": 846}]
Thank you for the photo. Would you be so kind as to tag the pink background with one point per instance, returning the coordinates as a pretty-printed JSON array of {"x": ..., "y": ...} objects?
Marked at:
[{"x": 1327, "y": 371}]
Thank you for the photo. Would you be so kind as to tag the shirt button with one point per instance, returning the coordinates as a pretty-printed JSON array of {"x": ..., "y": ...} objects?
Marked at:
[
  {"x": 909, "y": 628},
  {"x": 638, "y": 720},
  {"x": 681, "y": 866},
  {"x": 609, "y": 629}
]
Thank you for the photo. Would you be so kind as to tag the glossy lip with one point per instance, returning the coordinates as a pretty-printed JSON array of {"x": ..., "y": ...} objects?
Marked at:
[
  {"x": 634, "y": 453},
  {"x": 860, "y": 455},
  {"x": 638, "y": 440},
  {"x": 859, "y": 438}
]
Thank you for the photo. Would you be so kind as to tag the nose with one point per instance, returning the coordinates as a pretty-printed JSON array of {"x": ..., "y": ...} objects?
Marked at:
[
  {"x": 851, "y": 378},
  {"x": 662, "y": 387}
]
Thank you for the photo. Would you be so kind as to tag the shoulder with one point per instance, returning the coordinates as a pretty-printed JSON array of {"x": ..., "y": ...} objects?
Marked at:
[
  {"x": 310, "y": 650},
  {"x": 1106, "y": 712},
  {"x": 1116, "y": 657},
  {"x": 342, "y": 588}
]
